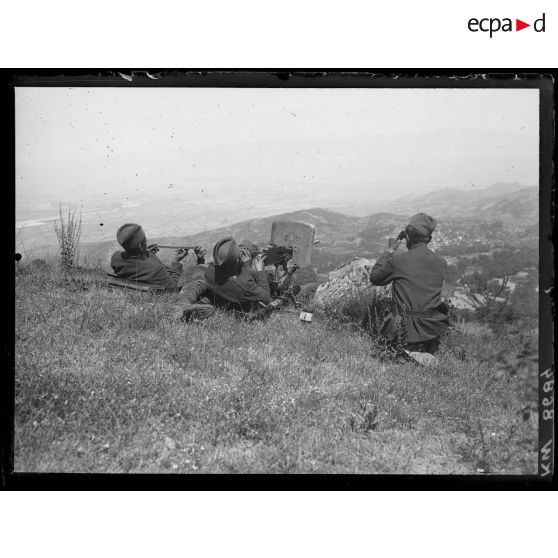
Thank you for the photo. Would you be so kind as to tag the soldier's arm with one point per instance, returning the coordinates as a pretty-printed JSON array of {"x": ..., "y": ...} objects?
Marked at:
[
  {"x": 162, "y": 276},
  {"x": 382, "y": 272},
  {"x": 151, "y": 270},
  {"x": 257, "y": 290},
  {"x": 174, "y": 270},
  {"x": 116, "y": 262}
]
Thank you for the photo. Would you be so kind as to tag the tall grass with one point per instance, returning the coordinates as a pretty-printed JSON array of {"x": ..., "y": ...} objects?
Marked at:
[
  {"x": 68, "y": 232},
  {"x": 364, "y": 310}
]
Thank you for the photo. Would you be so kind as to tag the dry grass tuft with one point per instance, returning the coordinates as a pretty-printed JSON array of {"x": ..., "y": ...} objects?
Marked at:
[{"x": 68, "y": 232}]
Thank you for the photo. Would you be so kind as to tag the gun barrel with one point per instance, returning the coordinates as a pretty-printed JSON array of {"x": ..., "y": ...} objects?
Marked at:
[{"x": 177, "y": 247}]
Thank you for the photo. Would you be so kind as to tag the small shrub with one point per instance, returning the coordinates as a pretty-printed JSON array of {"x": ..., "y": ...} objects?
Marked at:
[
  {"x": 490, "y": 302},
  {"x": 365, "y": 419},
  {"x": 364, "y": 309},
  {"x": 68, "y": 233}
]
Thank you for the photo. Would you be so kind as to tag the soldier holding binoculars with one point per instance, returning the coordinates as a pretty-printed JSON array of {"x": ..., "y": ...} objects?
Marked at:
[{"x": 418, "y": 278}]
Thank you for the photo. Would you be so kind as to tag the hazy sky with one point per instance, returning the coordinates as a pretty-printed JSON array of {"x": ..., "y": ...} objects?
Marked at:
[
  {"x": 314, "y": 147},
  {"x": 55, "y": 123}
]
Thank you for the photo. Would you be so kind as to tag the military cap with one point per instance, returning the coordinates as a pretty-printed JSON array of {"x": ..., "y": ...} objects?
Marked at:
[
  {"x": 423, "y": 223},
  {"x": 226, "y": 253},
  {"x": 129, "y": 236}
]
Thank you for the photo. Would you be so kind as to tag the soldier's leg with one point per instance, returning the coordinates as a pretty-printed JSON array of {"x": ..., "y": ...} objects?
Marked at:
[
  {"x": 190, "y": 295},
  {"x": 433, "y": 345},
  {"x": 192, "y": 272},
  {"x": 430, "y": 346}
]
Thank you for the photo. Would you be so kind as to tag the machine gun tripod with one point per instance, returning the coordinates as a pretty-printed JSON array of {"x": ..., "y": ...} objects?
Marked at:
[{"x": 279, "y": 257}]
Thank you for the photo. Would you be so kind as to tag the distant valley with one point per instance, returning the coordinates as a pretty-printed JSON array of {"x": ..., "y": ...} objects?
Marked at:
[{"x": 468, "y": 222}]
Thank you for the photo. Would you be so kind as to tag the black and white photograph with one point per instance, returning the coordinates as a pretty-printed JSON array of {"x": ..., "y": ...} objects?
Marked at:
[{"x": 276, "y": 279}]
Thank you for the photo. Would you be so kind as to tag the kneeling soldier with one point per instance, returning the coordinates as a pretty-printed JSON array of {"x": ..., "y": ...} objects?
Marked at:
[{"x": 418, "y": 277}]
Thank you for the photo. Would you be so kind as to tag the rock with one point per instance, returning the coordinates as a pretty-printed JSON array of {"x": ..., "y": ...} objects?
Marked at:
[
  {"x": 170, "y": 443},
  {"x": 483, "y": 466},
  {"x": 425, "y": 359},
  {"x": 308, "y": 289},
  {"x": 346, "y": 282}
]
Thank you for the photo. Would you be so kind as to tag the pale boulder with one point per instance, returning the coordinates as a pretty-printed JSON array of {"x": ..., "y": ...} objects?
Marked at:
[
  {"x": 424, "y": 359},
  {"x": 347, "y": 282}
]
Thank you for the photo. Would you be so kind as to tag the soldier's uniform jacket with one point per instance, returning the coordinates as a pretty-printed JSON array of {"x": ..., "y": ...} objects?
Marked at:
[
  {"x": 239, "y": 292},
  {"x": 146, "y": 268},
  {"x": 418, "y": 277}
]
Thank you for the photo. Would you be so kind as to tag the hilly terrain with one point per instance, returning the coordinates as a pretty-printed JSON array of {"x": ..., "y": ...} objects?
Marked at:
[
  {"x": 113, "y": 381},
  {"x": 460, "y": 214},
  {"x": 170, "y": 212},
  {"x": 512, "y": 203}
]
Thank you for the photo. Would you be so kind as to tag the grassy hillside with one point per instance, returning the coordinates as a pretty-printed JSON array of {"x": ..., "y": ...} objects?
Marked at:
[{"x": 108, "y": 381}]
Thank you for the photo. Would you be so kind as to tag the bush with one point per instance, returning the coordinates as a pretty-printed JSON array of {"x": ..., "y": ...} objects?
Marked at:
[
  {"x": 490, "y": 301},
  {"x": 68, "y": 233},
  {"x": 362, "y": 309},
  {"x": 365, "y": 310}
]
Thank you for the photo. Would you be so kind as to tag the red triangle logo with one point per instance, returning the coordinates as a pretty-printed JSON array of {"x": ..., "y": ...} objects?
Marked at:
[{"x": 519, "y": 25}]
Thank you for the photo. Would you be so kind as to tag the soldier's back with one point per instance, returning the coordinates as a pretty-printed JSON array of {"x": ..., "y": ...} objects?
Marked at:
[{"x": 419, "y": 276}]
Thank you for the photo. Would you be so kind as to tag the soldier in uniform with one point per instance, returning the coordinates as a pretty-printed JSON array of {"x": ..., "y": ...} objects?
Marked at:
[
  {"x": 234, "y": 280},
  {"x": 418, "y": 277},
  {"x": 139, "y": 263}
]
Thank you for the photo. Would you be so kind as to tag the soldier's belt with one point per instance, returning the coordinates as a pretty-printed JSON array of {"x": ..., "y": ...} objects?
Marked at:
[{"x": 424, "y": 314}]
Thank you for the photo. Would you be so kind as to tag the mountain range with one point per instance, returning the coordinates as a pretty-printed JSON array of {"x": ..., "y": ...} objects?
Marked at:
[
  {"x": 344, "y": 236},
  {"x": 506, "y": 202}
]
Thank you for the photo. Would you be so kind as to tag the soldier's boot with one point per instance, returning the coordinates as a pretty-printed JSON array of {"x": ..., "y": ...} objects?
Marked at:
[
  {"x": 197, "y": 312},
  {"x": 189, "y": 296}
]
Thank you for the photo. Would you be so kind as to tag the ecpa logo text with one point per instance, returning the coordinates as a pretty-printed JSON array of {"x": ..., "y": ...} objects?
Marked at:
[{"x": 494, "y": 24}]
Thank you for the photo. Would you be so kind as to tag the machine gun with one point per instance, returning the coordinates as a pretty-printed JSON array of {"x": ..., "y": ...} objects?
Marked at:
[
  {"x": 278, "y": 255},
  {"x": 290, "y": 248}
]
